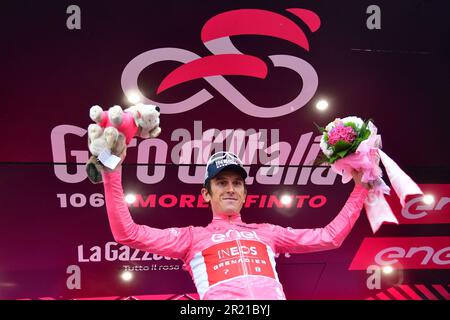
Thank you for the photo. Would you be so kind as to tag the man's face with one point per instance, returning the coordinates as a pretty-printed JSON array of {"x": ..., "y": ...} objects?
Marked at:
[{"x": 227, "y": 193}]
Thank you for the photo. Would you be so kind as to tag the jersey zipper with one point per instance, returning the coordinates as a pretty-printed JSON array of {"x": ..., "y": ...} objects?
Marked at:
[{"x": 244, "y": 268}]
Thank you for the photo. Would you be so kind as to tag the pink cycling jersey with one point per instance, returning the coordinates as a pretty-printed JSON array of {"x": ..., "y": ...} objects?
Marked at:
[{"x": 228, "y": 259}]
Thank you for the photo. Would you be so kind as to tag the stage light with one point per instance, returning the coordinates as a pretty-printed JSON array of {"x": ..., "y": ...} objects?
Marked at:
[
  {"x": 286, "y": 200},
  {"x": 387, "y": 269},
  {"x": 130, "y": 198},
  {"x": 428, "y": 199},
  {"x": 133, "y": 97},
  {"x": 322, "y": 105},
  {"x": 126, "y": 276}
]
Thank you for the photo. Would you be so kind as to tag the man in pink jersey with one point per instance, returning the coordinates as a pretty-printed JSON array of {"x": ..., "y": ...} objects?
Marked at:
[{"x": 229, "y": 259}]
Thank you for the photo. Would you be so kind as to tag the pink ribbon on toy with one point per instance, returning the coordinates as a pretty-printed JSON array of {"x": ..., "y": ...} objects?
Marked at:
[{"x": 367, "y": 158}]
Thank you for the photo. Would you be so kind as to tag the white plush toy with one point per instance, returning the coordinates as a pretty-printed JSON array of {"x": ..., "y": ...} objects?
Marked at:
[{"x": 113, "y": 131}]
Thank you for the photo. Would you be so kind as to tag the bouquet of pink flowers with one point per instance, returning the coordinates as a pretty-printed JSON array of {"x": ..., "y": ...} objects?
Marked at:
[
  {"x": 342, "y": 137},
  {"x": 350, "y": 144}
]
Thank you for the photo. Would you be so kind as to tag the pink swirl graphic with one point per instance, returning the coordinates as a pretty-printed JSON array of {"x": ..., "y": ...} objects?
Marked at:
[{"x": 228, "y": 60}]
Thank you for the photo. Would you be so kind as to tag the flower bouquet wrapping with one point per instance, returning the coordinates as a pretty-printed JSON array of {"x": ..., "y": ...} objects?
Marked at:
[{"x": 353, "y": 144}]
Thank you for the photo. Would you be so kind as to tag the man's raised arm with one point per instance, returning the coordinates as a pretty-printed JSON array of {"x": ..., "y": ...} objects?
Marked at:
[
  {"x": 328, "y": 237},
  {"x": 172, "y": 242}
]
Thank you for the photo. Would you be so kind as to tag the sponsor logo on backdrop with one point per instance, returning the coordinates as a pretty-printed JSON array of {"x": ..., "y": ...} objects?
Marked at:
[
  {"x": 281, "y": 162},
  {"x": 113, "y": 251},
  {"x": 417, "y": 212},
  {"x": 226, "y": 59},
  {"x": 403, "y": 253}
]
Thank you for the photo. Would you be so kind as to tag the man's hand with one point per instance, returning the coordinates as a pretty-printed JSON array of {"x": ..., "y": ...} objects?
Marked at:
[{"x": 357, "y": 176}]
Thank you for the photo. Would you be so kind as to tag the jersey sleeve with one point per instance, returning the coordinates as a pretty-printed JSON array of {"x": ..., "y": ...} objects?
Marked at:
[
  {"x": 320, "y": 239},
  {"x": 171, "y": 242}
]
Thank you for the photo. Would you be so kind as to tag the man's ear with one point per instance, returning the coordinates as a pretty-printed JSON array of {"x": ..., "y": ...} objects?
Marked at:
[{"x": 206, "y": 195}]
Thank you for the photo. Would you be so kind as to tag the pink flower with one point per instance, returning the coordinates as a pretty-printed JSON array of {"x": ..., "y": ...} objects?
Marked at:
[{"x": 341, "y": 133}]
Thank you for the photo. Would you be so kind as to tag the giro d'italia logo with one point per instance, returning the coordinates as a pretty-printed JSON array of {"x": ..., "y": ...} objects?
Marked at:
[{"x": 226, "y": 59}]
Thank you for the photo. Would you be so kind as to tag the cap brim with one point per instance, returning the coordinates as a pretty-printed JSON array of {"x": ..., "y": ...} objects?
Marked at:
[{"x": 232, "y": 167}]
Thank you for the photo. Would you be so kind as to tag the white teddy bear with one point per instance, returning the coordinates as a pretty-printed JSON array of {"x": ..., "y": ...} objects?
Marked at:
[{"x": 114, "y": 129}]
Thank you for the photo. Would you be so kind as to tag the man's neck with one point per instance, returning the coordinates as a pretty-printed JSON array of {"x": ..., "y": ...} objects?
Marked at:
[{"x": 227, "y": 216}]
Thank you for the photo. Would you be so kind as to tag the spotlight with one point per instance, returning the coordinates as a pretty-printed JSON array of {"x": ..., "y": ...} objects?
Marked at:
[
  {"x": 133, "y": 97},
  {"x": 428, "y": 199},
  {"x": 387, "y": 269},
  {"x": 130, "y": 198},
  {"x": 286, "y": 200},
  {"x": 126, "y": 276},
  {"x": 322, "y": 105}
]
